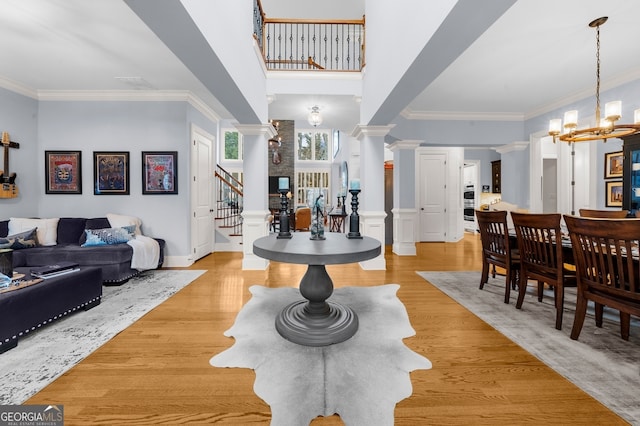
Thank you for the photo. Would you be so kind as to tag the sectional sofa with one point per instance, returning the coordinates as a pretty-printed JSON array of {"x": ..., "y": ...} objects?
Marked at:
[{"x": 65, "y": 239}]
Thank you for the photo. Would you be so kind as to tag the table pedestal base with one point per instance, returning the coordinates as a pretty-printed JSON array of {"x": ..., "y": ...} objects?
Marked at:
[{"x": 297, "y": 324}]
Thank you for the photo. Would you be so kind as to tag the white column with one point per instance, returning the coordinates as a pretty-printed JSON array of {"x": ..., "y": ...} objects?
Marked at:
[
  {"x": 255, "y": 209},
  {"x": 404, "y": 209},
  {"x": 371, "y": 208}
]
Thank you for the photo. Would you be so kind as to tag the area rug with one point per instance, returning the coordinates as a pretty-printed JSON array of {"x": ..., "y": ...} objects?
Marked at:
[
  {"x": 599, "y": 362},
  {"x": 47, "y": 353},
  {"x": 361, "y": 379}
]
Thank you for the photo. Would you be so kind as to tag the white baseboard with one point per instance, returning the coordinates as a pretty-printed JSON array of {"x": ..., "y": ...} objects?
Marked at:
[{"x": 177, "y": 261}]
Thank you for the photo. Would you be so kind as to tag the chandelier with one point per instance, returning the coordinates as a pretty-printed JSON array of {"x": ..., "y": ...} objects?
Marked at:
[
  {"x": 314, "y": 118},
  {"x": 607, "y": 127}
]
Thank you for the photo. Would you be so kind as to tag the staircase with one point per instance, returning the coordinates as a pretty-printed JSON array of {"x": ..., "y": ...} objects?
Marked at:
[{"x": 228, "y": 212}]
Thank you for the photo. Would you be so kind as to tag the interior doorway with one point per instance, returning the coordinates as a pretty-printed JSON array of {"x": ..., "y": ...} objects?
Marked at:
[
  {"x": 549, "y": 185},
  {"x": 388, "y": 202}
]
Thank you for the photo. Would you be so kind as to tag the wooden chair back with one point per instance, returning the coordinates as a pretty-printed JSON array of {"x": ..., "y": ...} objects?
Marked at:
[
  {"x": 541, "y": 256},
  {"x": 537, "y": 235},
  {"x": 494, "y": 235},
  {"x": 496, "y": 247},
  {"x": 607, "y": 265},
  {"x": 612, "y": 214}
]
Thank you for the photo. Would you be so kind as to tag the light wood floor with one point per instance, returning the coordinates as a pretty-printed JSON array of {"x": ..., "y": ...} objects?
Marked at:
[{"x": 157, "y": 371}]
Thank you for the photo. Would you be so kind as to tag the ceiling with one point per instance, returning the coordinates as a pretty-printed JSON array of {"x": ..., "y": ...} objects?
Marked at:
[{"x": 538, "y": 55}]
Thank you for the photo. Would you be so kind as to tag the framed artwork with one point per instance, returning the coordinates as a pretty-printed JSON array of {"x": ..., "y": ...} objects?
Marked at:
[
  {"x": 159, "y": 172},
  {"x": 613, "y": 165},
  {"x": 63, "y": 172},
  {"x": 614, "y": 193},
  {"x": 111, "y": 173}
]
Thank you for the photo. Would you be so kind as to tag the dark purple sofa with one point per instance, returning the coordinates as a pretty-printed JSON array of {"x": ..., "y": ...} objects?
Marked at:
[{"x": 114, "y": 260}]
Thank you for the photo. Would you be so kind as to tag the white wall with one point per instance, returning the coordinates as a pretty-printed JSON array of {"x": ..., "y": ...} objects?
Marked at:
[
  {"x": 389, "y": 51},
  {"x": 232, "y": 41}
]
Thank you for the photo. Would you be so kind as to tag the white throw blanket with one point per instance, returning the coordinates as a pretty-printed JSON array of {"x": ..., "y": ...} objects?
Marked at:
[{"x": 146, "y": 253}]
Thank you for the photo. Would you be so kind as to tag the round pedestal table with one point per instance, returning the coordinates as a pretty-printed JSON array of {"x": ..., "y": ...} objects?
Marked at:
[{"x": 314, "y": 320}]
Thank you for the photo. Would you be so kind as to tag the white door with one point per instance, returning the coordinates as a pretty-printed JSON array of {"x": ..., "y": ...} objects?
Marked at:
[
  {"x": 202, "y": 159},
  {"x": 432, "y": 197}
]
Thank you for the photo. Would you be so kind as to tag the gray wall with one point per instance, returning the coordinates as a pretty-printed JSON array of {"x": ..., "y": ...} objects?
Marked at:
[
  {"x": 90, "y": 126},
  {"x": 19, "y": 118}
]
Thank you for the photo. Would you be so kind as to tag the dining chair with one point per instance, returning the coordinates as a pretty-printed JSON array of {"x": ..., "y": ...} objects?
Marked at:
[
  {"x": 611, "y": 214},
  {"x": 496, "y": 248},
  {"x": 608, "y": 268},
  {"x": 541, "y": 257}
]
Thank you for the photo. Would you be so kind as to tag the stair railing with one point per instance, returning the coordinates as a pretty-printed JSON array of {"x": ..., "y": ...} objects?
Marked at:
[
  {"x": 229, "y": 202},
  {"x": 309, "y": 44}
]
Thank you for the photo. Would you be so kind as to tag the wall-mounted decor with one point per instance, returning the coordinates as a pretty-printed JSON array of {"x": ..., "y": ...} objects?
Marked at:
[
  {"x": 613, "y": 164},
  {"x": 111, "y": 173},
  {"x": 613, "y": 193},
  {"x": 159, "y": 172},
  {"x": 63, "y": 172},
  {"x": 8, "y": 187}
]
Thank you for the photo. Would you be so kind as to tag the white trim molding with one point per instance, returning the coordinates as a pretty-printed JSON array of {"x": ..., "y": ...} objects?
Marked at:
[
  {"x": 404, "y": 224},
  {"x": 255, "y": 225},
  {"x": 511, "y": 147},
  {"x": 372, "y": 225},
  {"x": 404, "y": 144},
  {"x": 410, "y": 114},
  {"x": 177, "y": 261}
]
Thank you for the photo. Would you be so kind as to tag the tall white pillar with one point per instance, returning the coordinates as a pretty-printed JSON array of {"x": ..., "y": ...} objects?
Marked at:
[
  {"x": 405, "y": 214},
  {"x": 371, "y": 198},
  {"x": 255, "y": 209}
]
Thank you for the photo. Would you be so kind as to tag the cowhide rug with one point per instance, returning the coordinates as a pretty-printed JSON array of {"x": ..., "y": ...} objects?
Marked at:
[{"x": 361, "y": 379}]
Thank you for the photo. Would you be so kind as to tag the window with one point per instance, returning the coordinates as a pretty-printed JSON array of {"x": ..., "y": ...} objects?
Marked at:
[
  {"x": 311, "y": 179},
  {"x": 313, "y": 146},
  {"x": 232, "y": 147}
]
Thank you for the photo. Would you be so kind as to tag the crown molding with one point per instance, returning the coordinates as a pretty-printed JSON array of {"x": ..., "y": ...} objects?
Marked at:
[
  {"x": 565, "y": 102},
  {"x": 409, "y": 114},
  {"x": 360, "y": 131},
  {"x": 511, "y": 147},
  {"x": 112, "y": 95},
  {"x": 404, "y": 144},
  {"x": 18, "y": 88}
]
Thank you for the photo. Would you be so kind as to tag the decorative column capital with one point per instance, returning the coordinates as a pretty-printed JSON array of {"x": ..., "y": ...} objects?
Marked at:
[
  {"x": 404, "y": 144},
  {"x": 361, "y": 131},
  {"x": 266, "y": 130}
]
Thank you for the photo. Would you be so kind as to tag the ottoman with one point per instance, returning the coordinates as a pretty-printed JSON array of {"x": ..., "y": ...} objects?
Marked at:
[{"x": 24, "y": 310}]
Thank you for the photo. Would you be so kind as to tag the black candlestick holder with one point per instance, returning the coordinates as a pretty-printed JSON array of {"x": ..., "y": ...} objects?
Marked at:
[
  {"x": 354, "y": 219},
  {"x": 285, "y": 231}
]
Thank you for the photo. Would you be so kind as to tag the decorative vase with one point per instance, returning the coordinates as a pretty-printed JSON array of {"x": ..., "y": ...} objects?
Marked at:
[{"x": 315, "y": 201}]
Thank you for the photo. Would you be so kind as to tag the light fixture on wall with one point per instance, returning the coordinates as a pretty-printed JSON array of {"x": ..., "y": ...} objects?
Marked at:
[
  {"x": 275, "y": 143},
  {"x": 314, "y": 117},
  {"x": 605, "y": 128}
]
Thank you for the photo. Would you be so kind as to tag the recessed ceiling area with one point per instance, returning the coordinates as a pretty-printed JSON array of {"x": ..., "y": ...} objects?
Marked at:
[{"x": 540, "y": 54}]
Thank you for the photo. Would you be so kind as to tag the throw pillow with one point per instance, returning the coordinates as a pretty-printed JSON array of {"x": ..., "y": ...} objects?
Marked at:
[
  {"x": 101, "y": 237},
  {"x": 118, "y": 220},
  {"x": 47, "y": 229},
  {"x": 21, "y": 240}
]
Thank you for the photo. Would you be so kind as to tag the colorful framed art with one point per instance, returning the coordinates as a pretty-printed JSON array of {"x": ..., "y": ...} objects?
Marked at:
[
  {"x": 159, "y": 172},
  {"x": 63, "y": 172},
  {"x": 111, "y": 173}
]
